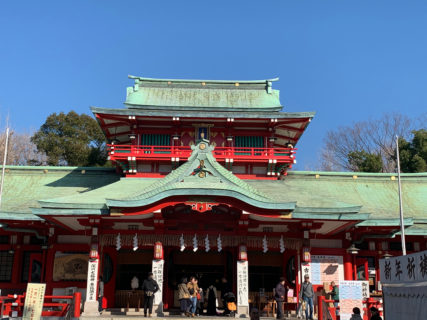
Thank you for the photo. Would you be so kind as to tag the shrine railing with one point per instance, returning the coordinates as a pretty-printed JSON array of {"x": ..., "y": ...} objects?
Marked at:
[{"x": 224, "y": 154}]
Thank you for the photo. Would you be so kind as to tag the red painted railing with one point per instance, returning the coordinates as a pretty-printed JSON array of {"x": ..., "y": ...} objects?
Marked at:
[
  {"x": 123, "y": 152},
  {"x": 325, "y": 312},
  {"x": 11, "y": 303}
]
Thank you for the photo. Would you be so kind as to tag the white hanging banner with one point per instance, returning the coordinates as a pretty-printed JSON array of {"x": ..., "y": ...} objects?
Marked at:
[
  {"x": 242, "y": 284},
  {"x": 92, "y": 279},
  {"x": 409, "y": 268},
  {"x": 158, "y": 276}
]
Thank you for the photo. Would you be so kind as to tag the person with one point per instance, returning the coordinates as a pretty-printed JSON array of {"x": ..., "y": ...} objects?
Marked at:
[
  {"x": 225, "y": 288},
  {"x": 150, "y": 287},
  {"x": 280, "y": 296},
  {"x": 375, "y": 314},
  {"x": 356, "y": 314},
  {"x": 184, "y": 297},
  {"x": 200, "y": 301},
  {"x": 335, "y": 295},
  {"x": 254, "y": 314},
  {"x": 100, "y": 293},
  {"x": 193, "y": 289},
  {"x": 307, "y": 294},
  {"x": 211, "y": 298}
]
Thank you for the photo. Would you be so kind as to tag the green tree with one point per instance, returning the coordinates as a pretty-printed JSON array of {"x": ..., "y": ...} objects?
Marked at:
[
  {"x": 413, "y": 154},
  {"x": 71, "y": 139},
  {"x": 363, "y": 161}
]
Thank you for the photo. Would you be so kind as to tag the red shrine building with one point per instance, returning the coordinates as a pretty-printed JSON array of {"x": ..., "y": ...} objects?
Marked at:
[{"x": 202, "y": 185}]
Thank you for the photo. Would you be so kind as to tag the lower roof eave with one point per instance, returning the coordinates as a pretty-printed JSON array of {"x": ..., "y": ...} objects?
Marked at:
[
  {"x": 385, "y": 222},
  {"x": 331, "y": 216},
  {"x": 68, "y": 212}
]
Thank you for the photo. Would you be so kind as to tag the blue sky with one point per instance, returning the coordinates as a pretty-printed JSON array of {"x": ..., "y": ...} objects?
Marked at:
[{"x": 347, "y": 60}]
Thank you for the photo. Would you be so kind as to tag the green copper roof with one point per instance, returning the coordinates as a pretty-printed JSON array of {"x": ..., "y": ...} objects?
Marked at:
[
  {"x": 173, "y": 94},
  {"x": 24, "y": 186}
]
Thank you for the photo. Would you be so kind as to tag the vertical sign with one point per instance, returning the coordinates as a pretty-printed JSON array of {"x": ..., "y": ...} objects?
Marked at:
[
  {"x": 351, "y": 295},
  {"x": 92, "y": 279},
  {"x": 242, "y": 284},
  {"x": 34, "y": 298},
  {"x": 158, "y": 276},
  {"x": 306, "y": 270}
]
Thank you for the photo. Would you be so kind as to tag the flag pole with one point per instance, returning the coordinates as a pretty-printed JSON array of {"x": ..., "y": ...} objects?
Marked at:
[
  {"x": 4, "y": 164},
  {"x": 402, "y": 226}
]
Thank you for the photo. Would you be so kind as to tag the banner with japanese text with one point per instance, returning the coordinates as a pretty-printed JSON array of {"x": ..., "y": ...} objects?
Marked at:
[
  {"x": 158, "y": 266},
  {"x": 92, "y": 280},
  {"x": 242, "y": 284},
  {"x": 34, "y": 299},
  {"x": 409, "y": 268}
]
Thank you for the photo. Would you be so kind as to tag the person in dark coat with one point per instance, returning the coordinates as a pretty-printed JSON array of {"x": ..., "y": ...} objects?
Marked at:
[
  {"x": 280, "y": 296},
  {"x": 211, "y": 297},
  {"x": 307, "y": 294},
  {"x": 375, "y": 314},
  {"x": 150, "y": 287}
]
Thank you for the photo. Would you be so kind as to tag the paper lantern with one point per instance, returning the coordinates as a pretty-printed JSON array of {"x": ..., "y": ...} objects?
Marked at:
[
  {"x": 243, "y": 253},
  {"x": 158, "y": 251},
  {"x": 306, "y": 256}
]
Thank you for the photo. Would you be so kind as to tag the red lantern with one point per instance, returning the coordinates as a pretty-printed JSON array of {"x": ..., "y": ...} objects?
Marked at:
[
  {"x": 94, "y": 252},
  {"x": 243, "y": 253},
  {"x": 306, "y": 256},
  {"x": 158, "y": 251}
]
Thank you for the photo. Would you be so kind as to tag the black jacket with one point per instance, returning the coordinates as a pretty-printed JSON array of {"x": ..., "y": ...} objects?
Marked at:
[
  {"x": 150, "y": 285},
  {"x": 280, "y": 292}
]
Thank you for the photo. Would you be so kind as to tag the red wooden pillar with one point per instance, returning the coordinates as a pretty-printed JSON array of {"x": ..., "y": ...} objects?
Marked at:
[{"x": 348, "y": 267}]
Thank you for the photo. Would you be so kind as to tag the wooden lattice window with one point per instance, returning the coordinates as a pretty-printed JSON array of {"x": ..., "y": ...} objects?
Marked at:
[{"x": 6, "y": 265}]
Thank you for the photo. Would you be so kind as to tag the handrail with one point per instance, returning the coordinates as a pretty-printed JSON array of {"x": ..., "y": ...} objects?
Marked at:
[{"x": 221, "y": 153}]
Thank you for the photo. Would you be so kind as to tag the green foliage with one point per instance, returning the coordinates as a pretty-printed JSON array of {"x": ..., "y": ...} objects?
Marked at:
[
  {"x": 363, "y": 161},
  {"x": 71, "y": 139},
  {"x": 413, "y": 154}
]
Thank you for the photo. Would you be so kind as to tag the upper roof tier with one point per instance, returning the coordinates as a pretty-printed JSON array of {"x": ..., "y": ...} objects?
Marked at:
[{"x": 226, "y": 95}]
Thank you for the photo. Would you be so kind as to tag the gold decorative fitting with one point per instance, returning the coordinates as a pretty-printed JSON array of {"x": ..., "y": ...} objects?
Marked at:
[
  {"x": 169, "y": 82},
  {"x": 393, "y": 178},
  {"x": 203, "y": 83},
  {"x": 354, "y": 177},
  {"x": 45, "y": 170},
  {"x": 83, "y": 171},
  {"x": 237, "y": 84},
  {"x": 201, "y": 174},
  {"x": 202, "y": 146},
  {"x": 317, "y": 176}
]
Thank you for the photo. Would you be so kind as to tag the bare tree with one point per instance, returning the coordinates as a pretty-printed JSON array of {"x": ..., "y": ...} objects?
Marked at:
[
  {"x": 372, "y": 136},
  {"x": 21, "y": 151}
]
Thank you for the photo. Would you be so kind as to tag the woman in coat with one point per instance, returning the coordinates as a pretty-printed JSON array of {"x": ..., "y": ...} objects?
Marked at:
[{"x": 184, "y": 297}]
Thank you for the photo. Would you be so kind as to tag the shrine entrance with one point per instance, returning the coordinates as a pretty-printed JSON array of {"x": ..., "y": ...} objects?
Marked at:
[{"x": 208, "y": 267}]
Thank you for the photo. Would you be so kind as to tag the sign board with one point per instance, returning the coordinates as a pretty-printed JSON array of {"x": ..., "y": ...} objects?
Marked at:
[
  {"x": 409, "y": 268},
  {"x": 34, "y": 299},
  {"x": 242, "y": 284},
  {"x": 158, "y": 276},
  {"x": 92, "y": 280},
  {"x": 325, "y": 268},
  {"x": 352, "y": 294}
]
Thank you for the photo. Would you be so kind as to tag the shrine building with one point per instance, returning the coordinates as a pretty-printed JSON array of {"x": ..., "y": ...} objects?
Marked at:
[{"x": 202, "y": 185}]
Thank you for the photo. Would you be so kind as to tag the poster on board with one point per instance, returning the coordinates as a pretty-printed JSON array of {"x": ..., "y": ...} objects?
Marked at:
[
  {"x": 326, "y": 268},
  {"x": 352, "y": 294},
  {"x": 34, "y": 299}
]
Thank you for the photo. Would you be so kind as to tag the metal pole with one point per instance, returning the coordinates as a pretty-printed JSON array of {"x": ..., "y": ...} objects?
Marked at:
[
  {"x": 402, "y": 226},
  {"x": 4, "y": 164}
]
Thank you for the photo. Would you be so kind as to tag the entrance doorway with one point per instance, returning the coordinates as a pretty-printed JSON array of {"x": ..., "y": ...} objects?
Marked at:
[{"x": 208, "y": 267}]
